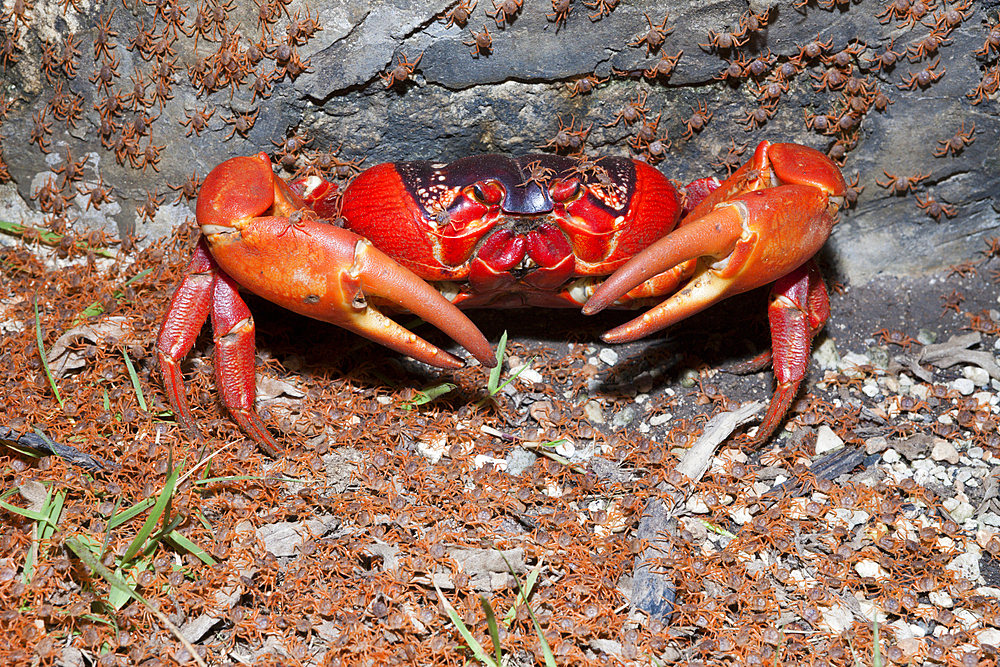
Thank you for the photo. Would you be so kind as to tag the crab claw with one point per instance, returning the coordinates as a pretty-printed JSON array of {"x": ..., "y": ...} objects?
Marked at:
[
  {"x": 263, "y": 237},
  {"x": 768, "y": 219}
]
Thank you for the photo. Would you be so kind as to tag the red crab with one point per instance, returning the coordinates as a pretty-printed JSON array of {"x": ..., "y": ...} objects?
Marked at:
[{"x": 497, "y": 231}]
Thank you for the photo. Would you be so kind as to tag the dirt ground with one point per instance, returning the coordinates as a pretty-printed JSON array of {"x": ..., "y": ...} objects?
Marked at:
[{"x": 343, "y": 550}]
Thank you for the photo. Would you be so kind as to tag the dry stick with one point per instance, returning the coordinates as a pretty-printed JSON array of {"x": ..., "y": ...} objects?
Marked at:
[{"x": 653, "y": 591}]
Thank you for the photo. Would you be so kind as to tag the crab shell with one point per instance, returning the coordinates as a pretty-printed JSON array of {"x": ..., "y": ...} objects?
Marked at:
[{"x": 512, "y": 231}]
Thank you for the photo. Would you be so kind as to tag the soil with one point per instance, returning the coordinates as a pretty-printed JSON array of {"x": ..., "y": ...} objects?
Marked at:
[{"x": 331, "y": 553}]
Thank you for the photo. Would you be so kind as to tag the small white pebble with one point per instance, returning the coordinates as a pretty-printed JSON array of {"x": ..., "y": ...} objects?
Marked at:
[
  {"x": 566, "y": 448},
  {"x": 482, "y": 459},
  {"x": 979, "y": 376},
  {"x": 660, "y": 420},
  {"x": 530, "y": 376},
  {"x": 964, "y": 386},
  {"x": 592, "y": 410},
  {"x": 944, "y": 451},
  {"x": 827, "y": 440},
  {"x": 608, "y": 356},
  {"x": 870, "y": 390},
  {"x": 870, "y": 569},
  {"x": 891, "y": 456}
]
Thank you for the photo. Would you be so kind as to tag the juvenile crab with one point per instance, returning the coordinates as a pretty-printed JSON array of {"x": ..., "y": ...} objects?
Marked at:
[{"x": 495, "y": 231}]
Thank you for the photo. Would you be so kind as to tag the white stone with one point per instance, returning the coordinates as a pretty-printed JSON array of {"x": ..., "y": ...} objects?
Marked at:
[
  {"x": 482, "y": 459},
  {"x": 941, "y": 599},
  {"x": 608, "y": 356},
  {"x": 891, "y": 456},
  {"x": 870, "y": 569},
  {"x": 740, "y": 515},
  {"x": 944, "y": 451},
  {"x": 965, "y": 565},
  {"x": 592, "y": 410},
  {"x": 964, "y": 386},
  {"x": 978, "y": 375},
  {"x": 825, "y": 355},
  {"x": 989, "y": 636},
  {"x": 696, "y": 504},
  {"x": 827, "y": 440},
  {"x": 660, "y": 420},
  {"x": 850, "y": 362},
  {"x": 530, "y": 376},
  {"x": 566, "y": 448},
  {"x": 870, "y": 390}
]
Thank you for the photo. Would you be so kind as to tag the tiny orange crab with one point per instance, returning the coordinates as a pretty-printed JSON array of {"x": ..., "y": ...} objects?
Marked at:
[
  {"x": 900, "y": 185},
  {"x": 585, "y": 85},
  {"x": 401, "y": 72},
  {"x": 957, "y": 143},
  {"x": 698, "y": 120},
  {"x": 655, "y": 37},
  {"x": 482, "y": 41},
  {"x": 924, "y": 77},
  {"x": 664, "y": 67},
  {"x": 461, "y": 13},
  {"x": 886, "y": 337},
  {"x": 507, "y": 9},
  {"x": 936, "y": 209},
  {"x": 632, "y": 111}
]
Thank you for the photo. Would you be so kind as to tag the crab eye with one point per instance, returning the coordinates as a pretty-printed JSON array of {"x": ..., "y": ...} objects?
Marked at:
[
  {"x": 486, "y": 192},
  {"x": 566, "y": 190}
]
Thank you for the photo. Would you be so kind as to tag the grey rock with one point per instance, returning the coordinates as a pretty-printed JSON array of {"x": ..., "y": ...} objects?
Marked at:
[{"x": 513, "y": 98}]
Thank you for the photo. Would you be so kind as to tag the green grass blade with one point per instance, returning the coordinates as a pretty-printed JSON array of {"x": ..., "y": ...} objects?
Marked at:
[
  {"x": 550, "y": 659},
  {"x": 41, "y": 352},
  {"x": 116, "y": 583},
  {"x": 118, "y": 598},
  {"x": 138, "y": 508},
  {"x": 492, "y": 385},
  {"x": 154, "y": 515},
  {"x": 48, "y": 237},
  {"x": 93, "y": 310},
  {"x": 491, "y": 623},
  {"x": 139, "y": 276},
  {"x": 42, "y": 530},
  {"x": 135, "y": 381},
  {"x": 522, "y": 596},
  {"x": 26, "y": 513},
  {"x": 107, "y": 528},
  {"x": 477, "y": 648},
  {"x": 877, "y": 651},
  {"x": 513, "y": 377},
  {"x": 428, "y": 395},
  {"x": 192, "y": 548}
]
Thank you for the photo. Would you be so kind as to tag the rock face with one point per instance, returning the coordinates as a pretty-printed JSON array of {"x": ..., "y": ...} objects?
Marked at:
[{"x": 139, "y": 98}]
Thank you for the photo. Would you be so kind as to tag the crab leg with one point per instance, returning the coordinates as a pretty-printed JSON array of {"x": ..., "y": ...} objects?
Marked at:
[
  {"x": 233, "y": 333},
  {"x": 207, "y": 289},
  {"x": 189, "y": 308},
  {"x": 798, "y": 309}
]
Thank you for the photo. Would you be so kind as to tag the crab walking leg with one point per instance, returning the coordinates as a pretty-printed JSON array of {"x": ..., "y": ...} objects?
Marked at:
[
  {"x": 750, "y": 241},
  {"x": 189, "y": 308},
  {"x": 330, "y": 274},
  {"x": 798, "y": 309},
  {"x": 233, "y": 332}
]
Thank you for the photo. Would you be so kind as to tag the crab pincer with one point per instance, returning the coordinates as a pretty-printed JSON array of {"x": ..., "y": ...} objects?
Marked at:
[
  {"x": 764, "y": 224},
  {"x": 258, "y": 234}
]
